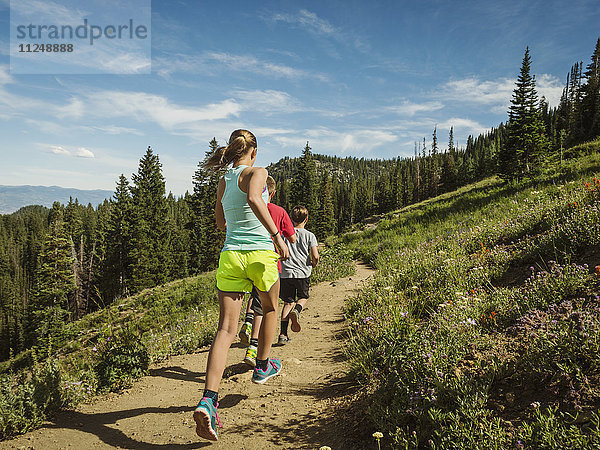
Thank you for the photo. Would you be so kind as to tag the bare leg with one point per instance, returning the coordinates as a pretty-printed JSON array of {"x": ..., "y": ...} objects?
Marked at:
[
  {"x": 302, "y": 302},
  {"x": 269, "y": 301},
  {"x": 294, "y": 315},
  {"x": 256, "y": 323},
  {"x": 249, "y": 308},
  {"x": 285, "y": 311},
  {"x": 230, "y": 304}
]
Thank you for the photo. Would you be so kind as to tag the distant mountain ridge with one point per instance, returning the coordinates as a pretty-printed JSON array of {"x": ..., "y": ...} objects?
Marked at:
[{"x": 12, "y": 198}]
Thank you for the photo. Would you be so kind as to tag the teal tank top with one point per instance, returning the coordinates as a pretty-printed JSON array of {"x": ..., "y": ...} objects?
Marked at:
[{"x": 244, "y": 230}]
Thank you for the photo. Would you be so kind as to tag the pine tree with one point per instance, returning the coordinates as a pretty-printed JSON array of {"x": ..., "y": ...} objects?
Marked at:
[
  {"x": 206, "y": 237},
  {"x": 590, "y": 102},
  {"x": 434, "y": 166},
  {"x": 150, "y": 249},
  {"x": 325, "y": 225},
  {"x": 526, "y": 141},
  {"x": 48, "y": 311},
  {"x": 118, "y": 263},
  {"x": 303, "y": 190}
]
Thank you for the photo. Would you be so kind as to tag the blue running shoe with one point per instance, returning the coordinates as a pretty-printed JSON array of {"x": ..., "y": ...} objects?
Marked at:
[
  {"x": 273, "y": 368},
  {"x": 206, "y": 418}
]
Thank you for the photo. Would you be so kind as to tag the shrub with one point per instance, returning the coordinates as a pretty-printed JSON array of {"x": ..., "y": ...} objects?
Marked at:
[
  {"x": 122, "y": 359},
  {"x": 27, "y": 399}
]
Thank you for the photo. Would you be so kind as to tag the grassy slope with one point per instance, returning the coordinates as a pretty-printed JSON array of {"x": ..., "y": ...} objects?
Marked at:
[
  {"x": 480, "y": 329},
  {"x": 108, "y": 349}
]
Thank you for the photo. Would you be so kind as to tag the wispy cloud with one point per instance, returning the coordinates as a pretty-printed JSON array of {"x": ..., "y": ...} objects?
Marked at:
[
  {"x": 46, "y": 11},
  {"x": 213, "y": 63},
  {"x": 408, "y": 108},
  {"x": 318, "y": 26},
  {"x": 327, "y": 140},
  {"x": 79, "y": 152},
  {"x": 267, "y": 101},
  {"x": 462, "y": 126},
  {"x": 497, "y": 93},
  {"x": 145, "y": 107},
  {"x": 5, "y": 77},
  {"x": 474, "y": 90},
  {"x": 113, "y": 130},
  {"x": 550, "y": 87}
]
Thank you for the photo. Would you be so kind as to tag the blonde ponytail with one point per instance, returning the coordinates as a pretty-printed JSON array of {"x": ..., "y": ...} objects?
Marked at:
[{"x": 240, "y": 143}]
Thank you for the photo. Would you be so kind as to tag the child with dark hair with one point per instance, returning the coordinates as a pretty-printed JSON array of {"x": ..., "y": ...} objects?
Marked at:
[{"x": 295, "y": 274}]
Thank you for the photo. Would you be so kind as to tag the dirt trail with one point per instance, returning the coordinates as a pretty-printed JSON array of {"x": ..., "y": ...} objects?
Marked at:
[{"x": 297, "y": 409}]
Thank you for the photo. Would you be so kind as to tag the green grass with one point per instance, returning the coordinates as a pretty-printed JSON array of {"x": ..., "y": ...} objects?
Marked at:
[{"x": 465, "y": 325}]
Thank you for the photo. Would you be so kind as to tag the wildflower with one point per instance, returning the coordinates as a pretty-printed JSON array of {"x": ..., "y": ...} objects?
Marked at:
[
  {"x": 378, "y": 435},
  {"x": 325, "y": 448},
  {"x": 94, "y": 349},
  {"x": 535, "y": 405},
  {"x": 597, "y": 269}
]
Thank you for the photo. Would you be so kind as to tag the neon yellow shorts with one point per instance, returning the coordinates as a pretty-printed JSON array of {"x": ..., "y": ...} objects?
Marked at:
[{"x": 239, "y": 270}]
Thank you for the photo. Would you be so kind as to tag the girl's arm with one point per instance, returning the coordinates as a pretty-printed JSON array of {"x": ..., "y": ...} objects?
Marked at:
[
  {"x": 256, "y": 183},
  {"x": 219, "y": 213}
]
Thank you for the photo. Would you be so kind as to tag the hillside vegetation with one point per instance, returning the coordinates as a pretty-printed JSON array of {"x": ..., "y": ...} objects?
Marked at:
[
  {"x": 107, "y": 350},
  {"x": 482, "y": 326}
]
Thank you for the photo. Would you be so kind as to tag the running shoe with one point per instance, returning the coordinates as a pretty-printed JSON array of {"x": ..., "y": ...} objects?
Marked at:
[
  {"x": 273, "y": 368},
  {"x": 295, "y": 319},
  {"x": 283, "y": 339},
  {"x": 250, "y": 357},
  {"x": 245, "y": 333},
  {"x": 206, "y": 418}
]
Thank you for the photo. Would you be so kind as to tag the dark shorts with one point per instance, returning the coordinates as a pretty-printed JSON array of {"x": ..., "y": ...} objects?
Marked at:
[
  {"x": 256, "y": 305},
  {"x": 292, "y": 289}
]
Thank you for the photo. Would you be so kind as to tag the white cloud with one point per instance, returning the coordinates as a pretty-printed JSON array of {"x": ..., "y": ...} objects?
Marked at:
[
  {"x": 497, "y": 93},
  {"x": 5, "y": 77},
  {"x": 473, "y": 90},
  {"x": 408, "y": 108},
  {"x": 308, "y": 20},
  {"x": 83, "y": 152},
  {"x": 550, "y": 87},
  {"x": 462, "y": 126},
  {"x": 267, "y": 101},
  {"x": 46, "y": 11},
  {"x": 146, "y": 107},
  {"x": 58, "y": 150},
  {"x": 111, "y": 129},
  {"x": 320, "y": 27},
  {"x": 325, "y": 140},
  {"x": 79, "y": 152},
  {"x": 211, "y": 63}
]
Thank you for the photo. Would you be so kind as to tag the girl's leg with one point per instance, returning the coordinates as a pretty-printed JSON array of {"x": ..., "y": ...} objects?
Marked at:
[
  {"x": 269, "y": 301},
  {"x": 230, "y": 304}
]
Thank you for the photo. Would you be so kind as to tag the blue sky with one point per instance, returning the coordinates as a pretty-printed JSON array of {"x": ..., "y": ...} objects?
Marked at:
[{"x": 355, "y": 78}]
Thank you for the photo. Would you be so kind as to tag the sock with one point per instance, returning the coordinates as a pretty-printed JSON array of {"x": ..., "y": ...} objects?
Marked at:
[
  {"x": 284, "y": 327},
  {"x": 254, "y": 342},
  {"x": 262, "y": 364},
  {"x": 214, "y": 396},
  {"x": 249, "y": 317},
  {"x": 298, "y": 308}
]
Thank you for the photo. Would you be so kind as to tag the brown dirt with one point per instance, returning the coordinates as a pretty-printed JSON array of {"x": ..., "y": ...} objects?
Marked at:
[{"x": 305, "y": 407}]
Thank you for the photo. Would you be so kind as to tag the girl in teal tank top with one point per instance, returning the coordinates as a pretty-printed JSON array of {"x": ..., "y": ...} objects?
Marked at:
[
  {"x": 247, "y": 259},
  {"x": 244, "y": 230}
]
